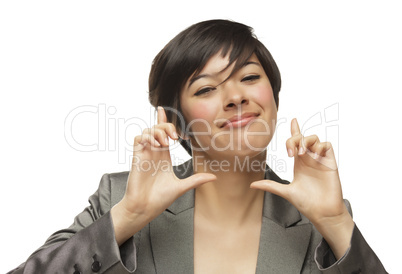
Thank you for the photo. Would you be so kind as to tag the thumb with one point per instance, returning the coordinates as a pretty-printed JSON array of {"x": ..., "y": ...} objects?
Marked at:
[
  {"x": 197, "y": 180},
  {"x": 273, "y": 187}
]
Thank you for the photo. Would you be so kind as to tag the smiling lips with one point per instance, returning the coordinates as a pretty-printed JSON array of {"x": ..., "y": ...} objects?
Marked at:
[{"x": 239, "y": 121}]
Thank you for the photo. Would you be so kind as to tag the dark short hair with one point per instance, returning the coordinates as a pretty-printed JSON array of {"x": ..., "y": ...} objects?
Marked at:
[{"x": 188, "y": 52}]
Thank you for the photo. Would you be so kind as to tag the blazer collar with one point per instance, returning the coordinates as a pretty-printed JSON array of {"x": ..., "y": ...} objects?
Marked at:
[{"x": 275, "y": 208}]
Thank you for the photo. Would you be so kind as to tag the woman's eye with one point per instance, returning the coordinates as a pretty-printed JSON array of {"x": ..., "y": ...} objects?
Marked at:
[
  {"x": 203, "y": 91},
  {"x": 250, "y": 78}
]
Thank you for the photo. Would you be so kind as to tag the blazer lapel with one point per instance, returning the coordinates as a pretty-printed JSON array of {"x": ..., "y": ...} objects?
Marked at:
[
  {"x": 172, "y": 233},
  {"x": 283, "y": 245}
]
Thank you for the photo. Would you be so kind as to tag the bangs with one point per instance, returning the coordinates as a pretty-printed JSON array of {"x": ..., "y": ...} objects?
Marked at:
[{"x": 238, "y": 43}]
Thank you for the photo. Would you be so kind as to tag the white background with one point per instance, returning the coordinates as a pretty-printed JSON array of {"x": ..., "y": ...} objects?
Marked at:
[{"x": 56, "y": 56}]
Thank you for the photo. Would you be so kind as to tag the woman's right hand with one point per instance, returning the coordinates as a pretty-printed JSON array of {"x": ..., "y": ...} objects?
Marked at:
[{"x": 152, "y": 185}]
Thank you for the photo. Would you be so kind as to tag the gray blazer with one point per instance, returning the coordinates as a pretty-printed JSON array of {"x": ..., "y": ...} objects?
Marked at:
[{"x": 289, "y": 243}]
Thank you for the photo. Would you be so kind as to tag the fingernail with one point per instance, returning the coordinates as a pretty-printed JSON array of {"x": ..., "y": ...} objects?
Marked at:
[
  {"x": 157, "y": 143},
  {"x": 301, "y": 150},
  {"x": 175, "y": 135},
  {"x": 290, "y": 152},
  {"x": 167, "y": 141}
]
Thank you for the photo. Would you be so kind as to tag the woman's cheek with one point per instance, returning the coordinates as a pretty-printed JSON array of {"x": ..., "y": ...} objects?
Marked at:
[
  {"x": 203, "y": 111},
  {"x": 264, "y": 96}
]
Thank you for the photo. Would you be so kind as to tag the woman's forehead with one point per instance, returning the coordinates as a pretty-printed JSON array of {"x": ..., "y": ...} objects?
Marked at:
[{"x": 218, "y": 63}]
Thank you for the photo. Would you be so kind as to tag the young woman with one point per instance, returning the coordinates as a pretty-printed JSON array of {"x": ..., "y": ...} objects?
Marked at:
[{"x": 216, "y": 90}]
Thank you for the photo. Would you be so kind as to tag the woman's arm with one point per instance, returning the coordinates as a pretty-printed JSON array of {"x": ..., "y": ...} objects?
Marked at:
[
  {"x": 316, "y": 191},
  {"x": 88, "y": 244},
  {"x": 99, "y": 231}
]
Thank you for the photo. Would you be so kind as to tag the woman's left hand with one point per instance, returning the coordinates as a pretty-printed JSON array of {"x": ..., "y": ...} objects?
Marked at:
[{"x": 316, "y": 189}]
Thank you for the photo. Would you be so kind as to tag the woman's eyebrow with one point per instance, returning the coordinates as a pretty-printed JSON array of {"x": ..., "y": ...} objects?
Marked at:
[
  {"x": 195, "y": 78},
  {"x": 252, "y": 63}
]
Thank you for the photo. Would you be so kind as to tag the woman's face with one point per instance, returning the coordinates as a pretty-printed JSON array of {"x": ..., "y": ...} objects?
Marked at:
[{"x": 236, "y": 117}]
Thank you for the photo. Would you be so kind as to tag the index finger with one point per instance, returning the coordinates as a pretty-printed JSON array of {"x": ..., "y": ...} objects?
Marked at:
[
  {"x": 161, "y": 115},
  {"x": 294, "y": 127}
]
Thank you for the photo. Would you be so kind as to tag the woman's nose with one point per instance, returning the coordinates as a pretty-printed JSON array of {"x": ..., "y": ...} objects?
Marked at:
[{"x": 234, "y": 99}]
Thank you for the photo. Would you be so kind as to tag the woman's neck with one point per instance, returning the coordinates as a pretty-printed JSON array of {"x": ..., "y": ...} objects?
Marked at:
[{"x": 230, "y": 200}]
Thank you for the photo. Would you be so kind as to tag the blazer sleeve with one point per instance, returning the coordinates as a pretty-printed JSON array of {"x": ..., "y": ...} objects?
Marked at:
[
  {"x": 359, "y": 258},
  {"x": 87, "y": 246}
]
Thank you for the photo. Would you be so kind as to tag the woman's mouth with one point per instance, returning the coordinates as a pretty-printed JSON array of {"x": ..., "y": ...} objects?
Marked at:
[{"x": 239, "y": 121}]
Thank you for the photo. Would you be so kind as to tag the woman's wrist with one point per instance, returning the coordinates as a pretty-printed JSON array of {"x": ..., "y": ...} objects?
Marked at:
[
  {"x": 337, "y": 232},
  {"x": 126, "y": 223}
]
